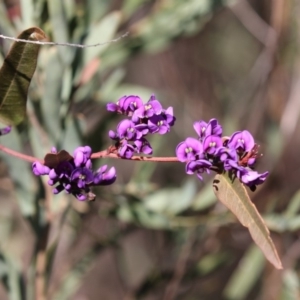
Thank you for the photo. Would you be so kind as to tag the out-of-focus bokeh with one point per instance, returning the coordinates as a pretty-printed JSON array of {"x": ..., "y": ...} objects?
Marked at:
[{"x": 157, "y": 233}]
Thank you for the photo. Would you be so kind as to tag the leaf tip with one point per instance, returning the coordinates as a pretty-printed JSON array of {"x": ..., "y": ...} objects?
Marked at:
[{"x": 34, "y": 34}]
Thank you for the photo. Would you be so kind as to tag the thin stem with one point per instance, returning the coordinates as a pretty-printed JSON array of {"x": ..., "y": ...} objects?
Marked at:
[
  {"x": 19, "y": 155},
  {"x": 62, "y": 44},
  {"x": 106, "y": 153},
  {"x": 101, "y": 154}
]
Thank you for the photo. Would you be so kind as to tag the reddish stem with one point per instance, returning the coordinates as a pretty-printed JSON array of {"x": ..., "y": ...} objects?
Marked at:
[
  {"x": 107, "y": 153},
  {"x": 101, "y": 154},
  {"x": 20, "y": 155}
]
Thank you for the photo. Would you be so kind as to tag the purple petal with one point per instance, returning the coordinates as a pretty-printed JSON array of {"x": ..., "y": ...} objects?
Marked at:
[
  {"x": 198, "y": 167},
  {"x": 126, "y": 150},
  {"x": 211, "y": 144},
  {"x": 38, "y": 169},
  {"x": 242, "y": 140},
  {"x": 57, "y": 189},
  {"x": 112, "y": 107},
  {"x": 251, "y": 177},
  {"x": 143, "y": 146},
  {"x": 213, "y": 128},
  {"x": 5, "y": 130},
  {"x": 132, "y": 103},
  {"x": 113, "y": 135},
  {"x": 189, "y": 149},
  {"x": 200, "y": 127},
  {"x": 105, "y": 178},
  {"x": 126, "y": 129},
  {"x": 53, "y": 150}
]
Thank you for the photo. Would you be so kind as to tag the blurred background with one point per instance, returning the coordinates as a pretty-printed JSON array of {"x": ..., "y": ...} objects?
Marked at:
[{"x": 156, "y": 233}]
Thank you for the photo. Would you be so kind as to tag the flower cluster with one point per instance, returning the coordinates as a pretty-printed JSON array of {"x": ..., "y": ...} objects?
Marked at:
[
  {"x": 211, "y": 151},
  {"x": 143, "y": 119},
  {"x": 73, "y": 174}
]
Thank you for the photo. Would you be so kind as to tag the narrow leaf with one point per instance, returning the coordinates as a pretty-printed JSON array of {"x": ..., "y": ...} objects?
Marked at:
[
  {"x": 15, "y": 76},
  {"x": 101, "y": 32},
  {"x": 233, "y": 194},
  {"x": 246, "y": 275}
]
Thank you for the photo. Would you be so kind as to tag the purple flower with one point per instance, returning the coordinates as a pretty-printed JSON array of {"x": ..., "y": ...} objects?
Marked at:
[
  {"x": 204, "y": 129},
  {"x": 200, "y": 128},
  {"x": 82, "y": 156},
  {"x": 228, "y": 157},
  {"x": 126, "y": 129},
  {"x": 82, "y": 177},
  {"x": 211, "y": 151},
  {"x": 198, "y": 167},
  {"x": 169, "y": 116},
  {"x": 103, "y": 177},
  {"x": 142, "y": 129},
  {"x": 125, "y": 105},
  {"x": 5, "y": 130},
  {"x": 242, "y": 141},
  {"x": 61, "y": 173},
  {"x": 113, "y": 107},
  {"x": 145, "y": 119},
  {"x": 38, "y": 169},
  {"x": 113, "y": 135},
  {"x": 211, "y": 144},
  {"x": 213, "y": 128},
  {"x": 80, "y": 195},
  {"x": 126, "y": 150},
  {"x": 152, "y": 98},
  {"x": 53, "y": 150},
  {"x": 74, "y": 174},
  {"x": 158, "y": 124},
  {"x": 143, "y": 146},
  {"x": 148, "y": 110},
  {"x": 161, "y": 123},
  {"x": 251, "y": 178},
  {"x": 190, "y": 149},
  {"x": 132, "y": 103}
]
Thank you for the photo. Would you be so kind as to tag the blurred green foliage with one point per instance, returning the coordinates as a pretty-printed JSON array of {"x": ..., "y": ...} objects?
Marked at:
[{"x": 156, "y": 234}]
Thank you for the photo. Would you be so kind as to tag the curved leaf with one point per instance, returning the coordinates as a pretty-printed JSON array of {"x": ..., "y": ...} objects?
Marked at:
[
  {"x": 102, "y": 31},
  {"x": 15, "y": 76},
  {"x": 233, "y": 194}
]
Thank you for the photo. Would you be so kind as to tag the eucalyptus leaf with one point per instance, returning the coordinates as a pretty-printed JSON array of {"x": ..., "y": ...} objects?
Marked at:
[
  {"x": 232, "y": 193},
  {"x": 16, "y": 74},
  {"x": 171, "y": 201},
  {"x": 101, "y": 32},
  {"x": 246, "y": 275},
  {"x": 204, "y": 199},
  {"x": 51, "y": 99},
  {"x": 290, "y": 288}
]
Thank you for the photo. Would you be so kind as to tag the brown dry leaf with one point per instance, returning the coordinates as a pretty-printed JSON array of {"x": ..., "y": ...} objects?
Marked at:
[
  {"x": 234, "y": 196},
  {"x": 51, "y": 160}
]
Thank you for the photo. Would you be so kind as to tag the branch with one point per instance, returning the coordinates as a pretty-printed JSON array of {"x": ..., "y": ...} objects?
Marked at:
[
  {"x": 19, "y": 155},
  {"x": 101, "y": 154},
  {"x": 108, "y": 154},
  {"x": 62, "y": 44}
]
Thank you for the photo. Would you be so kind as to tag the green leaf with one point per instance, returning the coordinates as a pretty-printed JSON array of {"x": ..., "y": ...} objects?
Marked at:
[
  {"x": 290, "y": 288},
  {"x": 233, "y": 194},
  {"x": 204, "y": 199},
  {"x": 101, "y": 32},
  {"x": 246, "y": 275},
  {"x": 171, "y": 201},
  {"x": 15, "y": 76},
  {"x": 51, "y": 99},
  {"x": 59, "y": 25}
]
